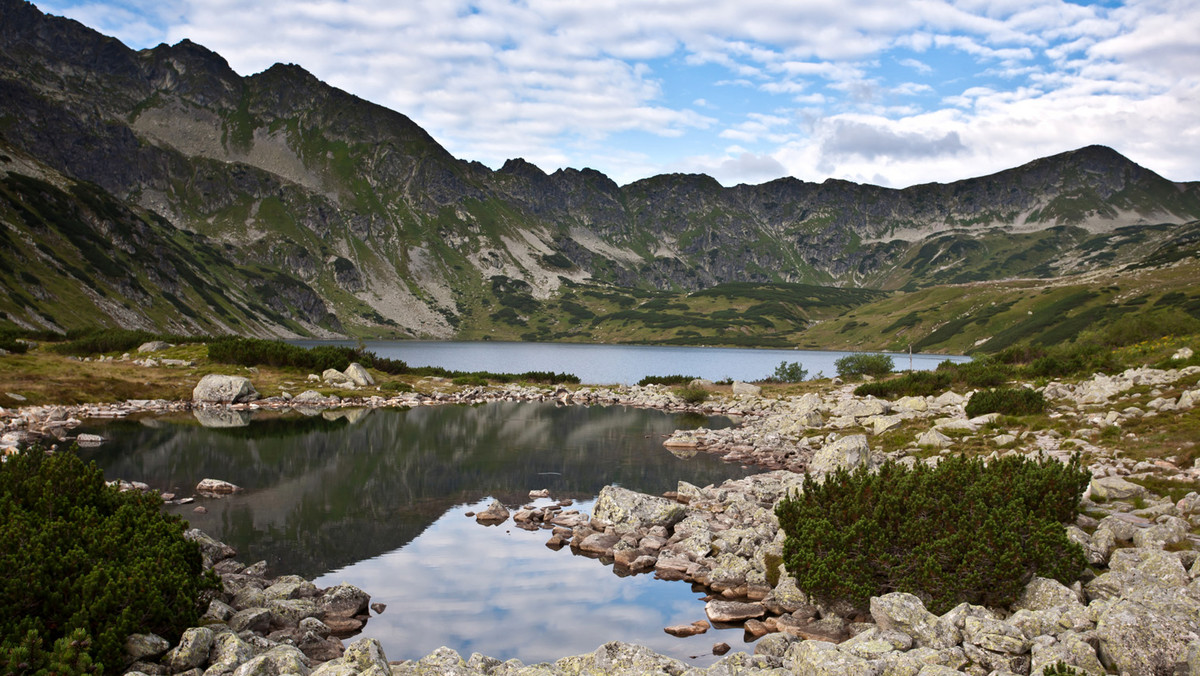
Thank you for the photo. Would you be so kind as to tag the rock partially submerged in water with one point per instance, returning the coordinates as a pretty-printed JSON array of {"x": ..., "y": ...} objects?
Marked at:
[
  {"x": 494, "y": 515},
  {"x": 216, "y": 487}
]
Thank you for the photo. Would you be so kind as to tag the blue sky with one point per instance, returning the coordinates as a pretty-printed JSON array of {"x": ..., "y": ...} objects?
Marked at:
[{"x": 874, "y": 91}]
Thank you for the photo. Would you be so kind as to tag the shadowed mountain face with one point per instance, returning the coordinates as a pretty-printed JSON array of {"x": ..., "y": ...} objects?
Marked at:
[{"x": 160, "y": 189}]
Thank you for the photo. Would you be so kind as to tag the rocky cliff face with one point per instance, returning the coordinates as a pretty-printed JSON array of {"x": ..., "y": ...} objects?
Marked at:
[{"x": 389, "y": 232}]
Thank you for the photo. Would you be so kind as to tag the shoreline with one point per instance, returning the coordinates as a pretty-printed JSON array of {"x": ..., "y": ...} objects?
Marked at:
[{"x": 819, "y": 432}]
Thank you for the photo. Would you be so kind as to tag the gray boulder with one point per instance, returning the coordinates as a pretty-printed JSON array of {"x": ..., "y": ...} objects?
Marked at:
[
  {"x": 359, "y": 375},
  {"x": 216, "y": 486},
  {"x": 282, "y": 659},
  {"x": 153, "y": 346},
  {"x": 367, "y": 656},
  {"x": 1135, "y": 640},
  {"x": 935, "y": 439},
  {"x": 619, "y": 659},
  {"x": 821, "y": 658},
  {"x": 192, "y": 650},
  {"x": 219, "y": 389},
  {"x": 211, "y": 550},
  {"x": 141, "y": 646},
  {"x": 1043, "y": 593},
  {"x": 228, "y": 651},
  {"x": 291, "y": 587},
  {"x": 253, "y": 619},
  {"x": 746, "y": 388},
  {"x": 289, "y": 612},
  {"x": 861, "y": 408},
  {"x": 848, "y": 452},
  {"x": 336, "y": 378},
  {"x": 629, "y": 510},
  {"x": 1070, "y": 648},
  {"x": 905, "y": 613},
  {"x": 343, "y": 600},
  {"x": 1115, "y": 488}
]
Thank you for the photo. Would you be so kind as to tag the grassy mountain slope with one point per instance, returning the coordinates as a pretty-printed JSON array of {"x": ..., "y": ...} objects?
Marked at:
[{"x": 311, "y": 211}]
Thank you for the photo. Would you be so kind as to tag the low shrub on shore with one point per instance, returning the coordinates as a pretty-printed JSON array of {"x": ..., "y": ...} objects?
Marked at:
[
  {"x": 858, "y": 365},
  {"x": 961, "y": 531},
  {"x": 85, "y": 566},
  {"x": 666, "y": 380},
  {"x": 1006, "y": 401},
  {"x": 692, "y": 395},
  {"x": 788, "y": 373},
  {"x": 258, "y": 352},
  {"x": 979, "y": 372}
]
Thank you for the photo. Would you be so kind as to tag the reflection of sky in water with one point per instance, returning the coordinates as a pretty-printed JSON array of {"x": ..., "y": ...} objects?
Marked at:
[{"x": 498, "y": 590}]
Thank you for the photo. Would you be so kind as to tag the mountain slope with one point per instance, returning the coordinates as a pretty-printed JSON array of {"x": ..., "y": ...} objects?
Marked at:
[{"x": 382, "y": 231}]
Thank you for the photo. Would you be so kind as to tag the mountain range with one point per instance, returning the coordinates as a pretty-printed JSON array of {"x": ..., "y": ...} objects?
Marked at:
[{"x": 159, "y": 189}]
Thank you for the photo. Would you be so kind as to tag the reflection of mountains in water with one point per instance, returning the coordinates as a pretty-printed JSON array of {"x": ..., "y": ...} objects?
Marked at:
[{"x": 321, "y": 493}]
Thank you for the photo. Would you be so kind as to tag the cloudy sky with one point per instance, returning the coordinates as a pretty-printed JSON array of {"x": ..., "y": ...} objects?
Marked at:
[{"x": 889, "y": 92}]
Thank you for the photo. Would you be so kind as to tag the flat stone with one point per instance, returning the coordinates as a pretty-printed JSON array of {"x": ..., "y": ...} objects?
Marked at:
[
  {"x": 729, "y": 612},
  {"x": 1115, "y": 488},
  {"x": 685, "y": 630}
]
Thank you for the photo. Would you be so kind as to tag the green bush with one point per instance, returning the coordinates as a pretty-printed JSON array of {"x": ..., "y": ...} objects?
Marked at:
[
  {"x": 980, "y": 372},
  {"x": 258, "y": 352},
  {"x": 1006, "y": 401},
  {"x": 789, "y": 373},
  {"x": 855, "y": 365},
  {"x": 85, "y": 566},
  {"x": 82, "y": 343},
  {"x": 692, "y": 395},
  {"x": 396, "y": 386},
  {"x": 666, "y": 380},
  {"x": 12, "y": 345},
  {"x": 963, "y": 531},
  {"x": 915, "y": 384}
]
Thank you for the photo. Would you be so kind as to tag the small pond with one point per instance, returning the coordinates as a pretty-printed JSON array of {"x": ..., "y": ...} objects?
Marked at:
[{"x": 379, "y": 499}]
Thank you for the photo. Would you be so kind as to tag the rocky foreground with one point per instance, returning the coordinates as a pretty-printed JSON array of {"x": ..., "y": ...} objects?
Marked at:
[{"x": 1138, "y": 613}]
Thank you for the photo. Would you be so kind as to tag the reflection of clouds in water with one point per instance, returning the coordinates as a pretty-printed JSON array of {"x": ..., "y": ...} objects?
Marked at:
[{"x": 501, "y": 592}]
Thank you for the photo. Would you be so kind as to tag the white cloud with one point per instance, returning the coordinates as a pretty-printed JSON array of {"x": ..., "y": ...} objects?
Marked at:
[
  {"x": 919, "y": 66},
  {"x": 738, "y": 166},
  {"x": 584, "y": 84}
]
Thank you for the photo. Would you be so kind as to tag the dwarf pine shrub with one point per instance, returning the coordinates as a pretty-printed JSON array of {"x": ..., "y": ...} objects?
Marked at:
[
  {"x": 857, "y": 365},
  {"x": 85, "y": 566},
  {"x": 961, "y": 531},
  {"x": 1006, "y": 401},
  {"x": 674, "y": 379}
]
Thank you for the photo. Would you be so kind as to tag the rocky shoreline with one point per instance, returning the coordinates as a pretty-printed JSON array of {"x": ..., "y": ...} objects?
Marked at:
[{"x": 1138, "y": 613}]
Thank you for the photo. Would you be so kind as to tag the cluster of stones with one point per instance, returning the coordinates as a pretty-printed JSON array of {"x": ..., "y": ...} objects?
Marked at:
[
  {"x": 1141, "y": 614},
  {"x": 256, "y": 625}
]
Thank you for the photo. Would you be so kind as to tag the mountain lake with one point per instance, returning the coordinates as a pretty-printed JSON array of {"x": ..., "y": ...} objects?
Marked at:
[{"x": 378, "y": 498}]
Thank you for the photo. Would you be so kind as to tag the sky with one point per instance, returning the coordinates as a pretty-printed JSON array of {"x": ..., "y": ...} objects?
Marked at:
[{"x": 887, "y": 92}]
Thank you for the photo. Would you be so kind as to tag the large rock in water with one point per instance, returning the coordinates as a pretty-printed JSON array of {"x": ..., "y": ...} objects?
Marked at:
[
  {"x": 627, "y": 510},
  {"x": 218, "y": 389}
]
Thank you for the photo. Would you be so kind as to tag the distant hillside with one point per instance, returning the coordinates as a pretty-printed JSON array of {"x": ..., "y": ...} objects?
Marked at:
[{"x": 159, "y": 189}]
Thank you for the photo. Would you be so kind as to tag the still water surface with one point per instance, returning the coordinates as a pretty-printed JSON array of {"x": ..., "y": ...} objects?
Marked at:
[
  {"x": 618, "y": 364},
  {"x": 378, "y": 499}
]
